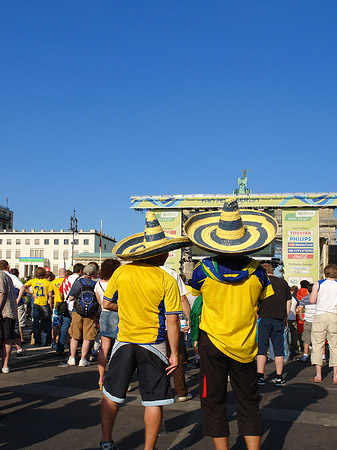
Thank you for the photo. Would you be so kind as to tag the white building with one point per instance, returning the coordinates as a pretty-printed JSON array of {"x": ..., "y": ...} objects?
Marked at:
[{"x": 27, "y": 250}]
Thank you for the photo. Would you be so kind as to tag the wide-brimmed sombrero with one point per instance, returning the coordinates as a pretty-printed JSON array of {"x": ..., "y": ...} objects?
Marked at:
[
  {"x": 150, "y": 243},
  {"x": 231, "y": 230}
]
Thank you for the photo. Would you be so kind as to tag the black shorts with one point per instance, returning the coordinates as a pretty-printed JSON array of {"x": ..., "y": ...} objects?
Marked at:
[
  {"x": 273, "y": 329},
  {"x": 154, "y": 384},
  {"x": 215, "y": 367},
  {"x": 7, "y": 326}
]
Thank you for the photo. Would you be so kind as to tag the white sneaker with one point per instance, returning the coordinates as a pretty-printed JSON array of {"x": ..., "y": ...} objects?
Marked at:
[
  {"x": 71, "y": 361},
  {"x": 186, "y": 398},
  {"x": 84, "y": 363},
  {"x": 5, "y": 370}
]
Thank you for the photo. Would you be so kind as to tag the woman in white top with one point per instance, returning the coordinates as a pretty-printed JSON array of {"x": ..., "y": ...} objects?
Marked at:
[
  {"x": 324, "y": 326},
  {"x": 108, "y": 319}
]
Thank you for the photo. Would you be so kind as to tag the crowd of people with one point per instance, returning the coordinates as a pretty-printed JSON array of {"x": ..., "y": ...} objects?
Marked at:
[{"x": 139, "y": 313}]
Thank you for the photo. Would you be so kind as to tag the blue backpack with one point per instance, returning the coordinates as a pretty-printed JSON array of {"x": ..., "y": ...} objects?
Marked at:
[{"x": 86, "y": 304}]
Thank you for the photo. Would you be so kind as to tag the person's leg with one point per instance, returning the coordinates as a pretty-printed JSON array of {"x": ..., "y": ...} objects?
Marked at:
[
  {"x": 253, "y": 442},
  {"x": 6, "y": 352},
  {"x": 152, "y": 419},
  {"x": 85, "y": 348},
  {"x": 318, "y": 336},
  {"x": 66, "y": 321},
  {"x": 73, "y": 347},
  {"x": 220, "y": 443},
  {"x": 46, "y": 322},
  {"x": 279, "y": 362},
  {"x": 246, "y": 394},
  {"x": 103, "y": 356},
  {"x": 36, "y": 325},
  {"x": 109, "y": 411},
  {"x": 261, "y": 363}
]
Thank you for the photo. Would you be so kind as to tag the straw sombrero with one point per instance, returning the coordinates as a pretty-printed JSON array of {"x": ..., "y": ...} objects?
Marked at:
[
  {"x": 150, "y": 243},
  {"x": 231, "y": 230}
]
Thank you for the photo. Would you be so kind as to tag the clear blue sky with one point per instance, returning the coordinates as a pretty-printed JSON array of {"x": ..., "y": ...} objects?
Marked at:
[{"x": 104, "y": 100}]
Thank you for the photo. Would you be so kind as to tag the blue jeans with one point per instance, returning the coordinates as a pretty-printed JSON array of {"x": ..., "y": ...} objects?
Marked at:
[
  {"x": 41, "y": 313},
  {"x": 63, "y": 332}
]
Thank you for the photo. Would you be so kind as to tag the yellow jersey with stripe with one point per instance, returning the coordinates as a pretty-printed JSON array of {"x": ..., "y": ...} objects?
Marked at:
[
  {"x": 55, "y": 287},
  {"x": 145, "y": 294},
  {"x": 40, "y": 290},
  {"x": 231, "y": 289}
]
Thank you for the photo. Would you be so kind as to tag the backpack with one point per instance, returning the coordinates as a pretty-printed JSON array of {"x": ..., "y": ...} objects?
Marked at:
[{"x": 86, "y": 304}]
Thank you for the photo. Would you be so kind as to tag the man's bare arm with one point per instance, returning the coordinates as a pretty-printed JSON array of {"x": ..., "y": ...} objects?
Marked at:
[
  {"x": 313, "y": 296},
  {"x": 173, "y": 334},
  {"x": 110, "y": 305}
]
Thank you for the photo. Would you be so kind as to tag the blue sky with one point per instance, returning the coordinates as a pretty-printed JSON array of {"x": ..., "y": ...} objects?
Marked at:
[{"x": 104, "y": 100}]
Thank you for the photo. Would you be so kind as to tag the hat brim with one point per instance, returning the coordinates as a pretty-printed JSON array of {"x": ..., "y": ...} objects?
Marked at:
[
  {"x": 132, "y": 248},
  {"x": 260, "y": 230}
]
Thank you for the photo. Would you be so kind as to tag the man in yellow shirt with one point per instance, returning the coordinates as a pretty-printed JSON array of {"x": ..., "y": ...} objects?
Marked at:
[
  {"x": 146, "y": 297},
  {"x": 54, "y": 299},
  {"x": 41, "y": 308},
  {"x": 231, "y": 285}
]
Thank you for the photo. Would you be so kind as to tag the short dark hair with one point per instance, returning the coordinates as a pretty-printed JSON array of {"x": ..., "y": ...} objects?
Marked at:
[
  {"x": 3, "y": 264},
  {"x": 108, "y": 267},
  {"x": 14, "y": 272},
  {"x": 304, "y": 284},
  {"x": 78, "y": 267}
]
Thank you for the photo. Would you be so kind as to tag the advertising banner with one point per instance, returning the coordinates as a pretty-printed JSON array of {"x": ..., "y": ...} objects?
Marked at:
[
  {"x": 171, "y": 223},
  {"x": 301, "y": 245},
  {"x": 244, "y": 201}
]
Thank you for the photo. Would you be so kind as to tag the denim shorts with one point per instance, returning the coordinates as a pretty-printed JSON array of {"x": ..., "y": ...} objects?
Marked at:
[{"x": 108, "y": 323}]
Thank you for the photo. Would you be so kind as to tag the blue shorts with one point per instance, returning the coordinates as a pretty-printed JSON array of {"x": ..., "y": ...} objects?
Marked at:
[
  {"x": 273, "y": 329},
  {"x": 108, "y": 323}
]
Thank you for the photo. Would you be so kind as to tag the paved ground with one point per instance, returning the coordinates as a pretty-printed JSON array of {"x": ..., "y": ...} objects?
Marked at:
[{"x": 49, "y": 407}]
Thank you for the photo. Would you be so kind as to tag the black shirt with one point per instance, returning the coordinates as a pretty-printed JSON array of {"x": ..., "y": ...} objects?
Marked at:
[{"x": 275, "y": 307}]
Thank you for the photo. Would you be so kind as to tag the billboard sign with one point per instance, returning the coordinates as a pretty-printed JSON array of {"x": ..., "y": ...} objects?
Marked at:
[
  {"x": 171, "y": 224},
  {"x": 301, "y": 245}
]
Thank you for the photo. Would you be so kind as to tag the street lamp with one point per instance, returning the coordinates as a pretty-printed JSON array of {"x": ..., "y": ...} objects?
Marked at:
[{"x": 73, "y": 230}]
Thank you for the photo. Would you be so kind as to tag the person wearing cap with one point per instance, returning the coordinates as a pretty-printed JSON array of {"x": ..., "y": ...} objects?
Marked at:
[
  {"x": 231, "y": 285},
  {"x": 82, "y": 327},
  {"x": 146, "y": 297}
]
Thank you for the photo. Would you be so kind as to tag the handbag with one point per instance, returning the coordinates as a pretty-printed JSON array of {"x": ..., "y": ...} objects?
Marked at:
[{"x": 61, "y": 307}]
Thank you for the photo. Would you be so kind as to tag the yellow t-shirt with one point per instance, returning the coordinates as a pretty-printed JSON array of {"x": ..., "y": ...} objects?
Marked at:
[
  {"x": 55, "y": 287},
  {"x": 145, "y": 294},
  {"x": 40, "y": 288},
  {"x": 229, "y": 308}
]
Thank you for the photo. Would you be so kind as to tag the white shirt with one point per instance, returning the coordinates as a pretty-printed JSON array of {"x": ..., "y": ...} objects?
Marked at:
[{"x": 182, "y": 288}]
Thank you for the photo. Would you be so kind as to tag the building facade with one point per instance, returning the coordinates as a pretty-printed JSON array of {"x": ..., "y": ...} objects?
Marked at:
[
  {"x": 6, "y": 218},
  {"x": 27, "y": 250}
]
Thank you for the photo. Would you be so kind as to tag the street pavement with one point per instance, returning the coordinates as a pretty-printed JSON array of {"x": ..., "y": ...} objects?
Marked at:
[{"x": 49, "y": 407}]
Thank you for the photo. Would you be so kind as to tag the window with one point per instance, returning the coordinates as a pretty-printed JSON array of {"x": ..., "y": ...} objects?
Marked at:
[
  {"x": 46, "y": 242},
  {"x": 55, "y": 270},
  {"x": 0, "y": 241},
  {"x": 41, "y": 253},
  {"x": 1, "y": 254},
  {"x": 9, "y": 241},
  {"x": 86, "y": 241},
  {"x": 56, "y": 241},
  {"x": 56, "y": 254},
  {"x": 27, "y": 241},
  {"x": 104, "y": 246},
  {"x": 18, "y": 241},
  {"x": 37, "y": 241},
  {"x": 31, "y": 253},
  {"x": 8, "y": 254},
  {"x": 75, "y": 241},
  {"x": 66, "y": 254},
  {"x": 17, "y": 254},
  {"x": 66, "y": 242}
]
